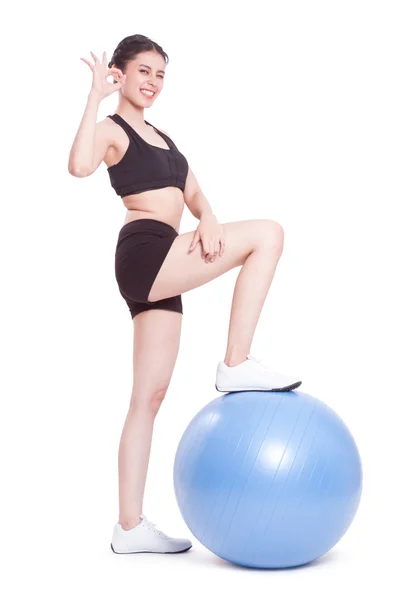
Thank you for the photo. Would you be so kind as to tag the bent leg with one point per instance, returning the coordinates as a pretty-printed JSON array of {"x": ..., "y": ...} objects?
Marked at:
[
  {"x": 182, "y": 271},
  {"x": 255, "y": 244}
]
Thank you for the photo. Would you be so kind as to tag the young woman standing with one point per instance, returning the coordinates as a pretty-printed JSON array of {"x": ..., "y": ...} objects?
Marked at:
[{"x": 154, "y": 264}]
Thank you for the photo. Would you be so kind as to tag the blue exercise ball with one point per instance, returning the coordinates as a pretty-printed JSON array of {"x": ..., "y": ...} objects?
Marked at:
[{"x": 267, "y": 479}]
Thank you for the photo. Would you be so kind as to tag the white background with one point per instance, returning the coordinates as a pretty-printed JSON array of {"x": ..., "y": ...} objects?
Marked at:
[{"x": 285, "y": 110}]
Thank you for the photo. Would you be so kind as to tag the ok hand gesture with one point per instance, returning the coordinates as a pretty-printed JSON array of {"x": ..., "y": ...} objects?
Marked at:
[{"x": 100, "y": 73}]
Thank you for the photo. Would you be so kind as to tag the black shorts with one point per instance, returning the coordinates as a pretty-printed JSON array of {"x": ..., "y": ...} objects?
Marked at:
[{"x": 141, "y": 250}]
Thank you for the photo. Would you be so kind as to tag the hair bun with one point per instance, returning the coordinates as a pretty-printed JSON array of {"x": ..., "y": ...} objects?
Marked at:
[{"x": 129, "y": 47}]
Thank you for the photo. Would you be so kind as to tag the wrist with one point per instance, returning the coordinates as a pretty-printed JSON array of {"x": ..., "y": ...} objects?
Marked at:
[
  {"x": 94, "y": 96},
  {"x": 207, "y": 215}
]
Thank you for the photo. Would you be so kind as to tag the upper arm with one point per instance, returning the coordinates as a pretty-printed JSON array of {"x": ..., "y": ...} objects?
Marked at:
[
  {"x": 191, "y": 186},
  {"x": 102, "y": 142}
]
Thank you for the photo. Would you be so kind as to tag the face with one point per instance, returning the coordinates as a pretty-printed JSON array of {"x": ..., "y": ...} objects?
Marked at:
[{"x": 146, "y": 72}]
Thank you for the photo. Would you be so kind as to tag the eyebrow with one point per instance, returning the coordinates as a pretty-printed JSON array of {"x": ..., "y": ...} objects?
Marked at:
[{"x": 159, "y": 70}]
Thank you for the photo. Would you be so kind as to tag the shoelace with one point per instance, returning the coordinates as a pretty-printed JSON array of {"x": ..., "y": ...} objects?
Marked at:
[
  {"x": 262, "y": 364},
  {"x": 152, "y": 526}
]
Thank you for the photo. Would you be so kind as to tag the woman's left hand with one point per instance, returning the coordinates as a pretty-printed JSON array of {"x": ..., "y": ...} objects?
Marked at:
[{"x": 212, "y": 237}]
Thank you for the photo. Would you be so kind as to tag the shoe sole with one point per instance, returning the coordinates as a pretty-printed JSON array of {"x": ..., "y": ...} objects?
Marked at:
[
  {"x": 288, "y": 388},
  {"x": 150, "y": 551}
]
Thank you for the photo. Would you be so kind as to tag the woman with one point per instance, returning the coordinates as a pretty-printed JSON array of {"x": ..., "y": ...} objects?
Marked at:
[{"x": 154, "y": 264}]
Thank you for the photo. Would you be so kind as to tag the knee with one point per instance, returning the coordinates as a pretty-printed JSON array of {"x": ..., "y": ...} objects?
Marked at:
[
  {"x": 149, "y": 402},
  {"x": 272, "y": 235}
]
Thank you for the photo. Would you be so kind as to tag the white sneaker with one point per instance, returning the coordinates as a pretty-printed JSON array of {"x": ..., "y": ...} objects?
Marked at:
[
  {"x": 253, "y": 374},
  {"x": 145, "y": 537}
]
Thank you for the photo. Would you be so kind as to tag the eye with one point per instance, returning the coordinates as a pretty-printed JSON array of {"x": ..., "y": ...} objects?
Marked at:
[{"x": 146, "y": 71}]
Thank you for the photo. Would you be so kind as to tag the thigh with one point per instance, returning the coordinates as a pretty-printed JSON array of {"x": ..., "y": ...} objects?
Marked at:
[
  {"x": 135, "y": 308},
  {"x": 182, "y": 271},
  {"x": 155, "y": 349},
  {"x": 139, "y": 255}
]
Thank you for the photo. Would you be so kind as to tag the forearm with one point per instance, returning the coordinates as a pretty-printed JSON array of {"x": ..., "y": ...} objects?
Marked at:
[
  {"x": 81, "y": 154},
  {"x": 199, "y": 206}
]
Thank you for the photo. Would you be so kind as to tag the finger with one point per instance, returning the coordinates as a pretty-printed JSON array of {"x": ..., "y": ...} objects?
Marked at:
[
  {"x": 216, "y": 248},
  {"x": 87, "y": 62},
  {"x": 212, "y": 252},
  {"x": 222, "y": 244},
  {"x": 104, "y": 57},
  {"x": 120, "y": 82},
  {"x": 194, "y": 242},
  {"x": 94, "y": 56},
  {"x": 115, "y": 70}
]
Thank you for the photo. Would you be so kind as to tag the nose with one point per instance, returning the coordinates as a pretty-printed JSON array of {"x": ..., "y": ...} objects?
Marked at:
[{"x": 153, "y": 81}]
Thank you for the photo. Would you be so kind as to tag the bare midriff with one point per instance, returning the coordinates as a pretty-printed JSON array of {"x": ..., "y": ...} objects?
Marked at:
[{"x": 165, "y": 204}]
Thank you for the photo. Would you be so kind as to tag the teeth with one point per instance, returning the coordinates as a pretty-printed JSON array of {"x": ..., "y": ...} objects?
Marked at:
[{"x": 147, "y": 93}]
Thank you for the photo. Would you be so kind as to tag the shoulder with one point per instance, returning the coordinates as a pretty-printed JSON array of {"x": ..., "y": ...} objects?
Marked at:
[
  {"x": 105, "y": 128},
  {"x": 107, "y": 125},
  {"x": 109, "y": 132},
  {"x": 107, "y": 141}
]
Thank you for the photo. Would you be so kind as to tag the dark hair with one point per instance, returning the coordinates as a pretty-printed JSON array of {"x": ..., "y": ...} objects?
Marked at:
[{"x": 130, "y": 47}]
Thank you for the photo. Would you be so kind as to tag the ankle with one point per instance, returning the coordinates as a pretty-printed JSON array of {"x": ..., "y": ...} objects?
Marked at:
[
  {"x": 129, "y": 523},
  {"x": 233, "y": 360}
]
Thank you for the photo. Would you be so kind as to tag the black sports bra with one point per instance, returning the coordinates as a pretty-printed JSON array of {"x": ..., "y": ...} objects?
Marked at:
[{"x": 146, "y": 167}]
